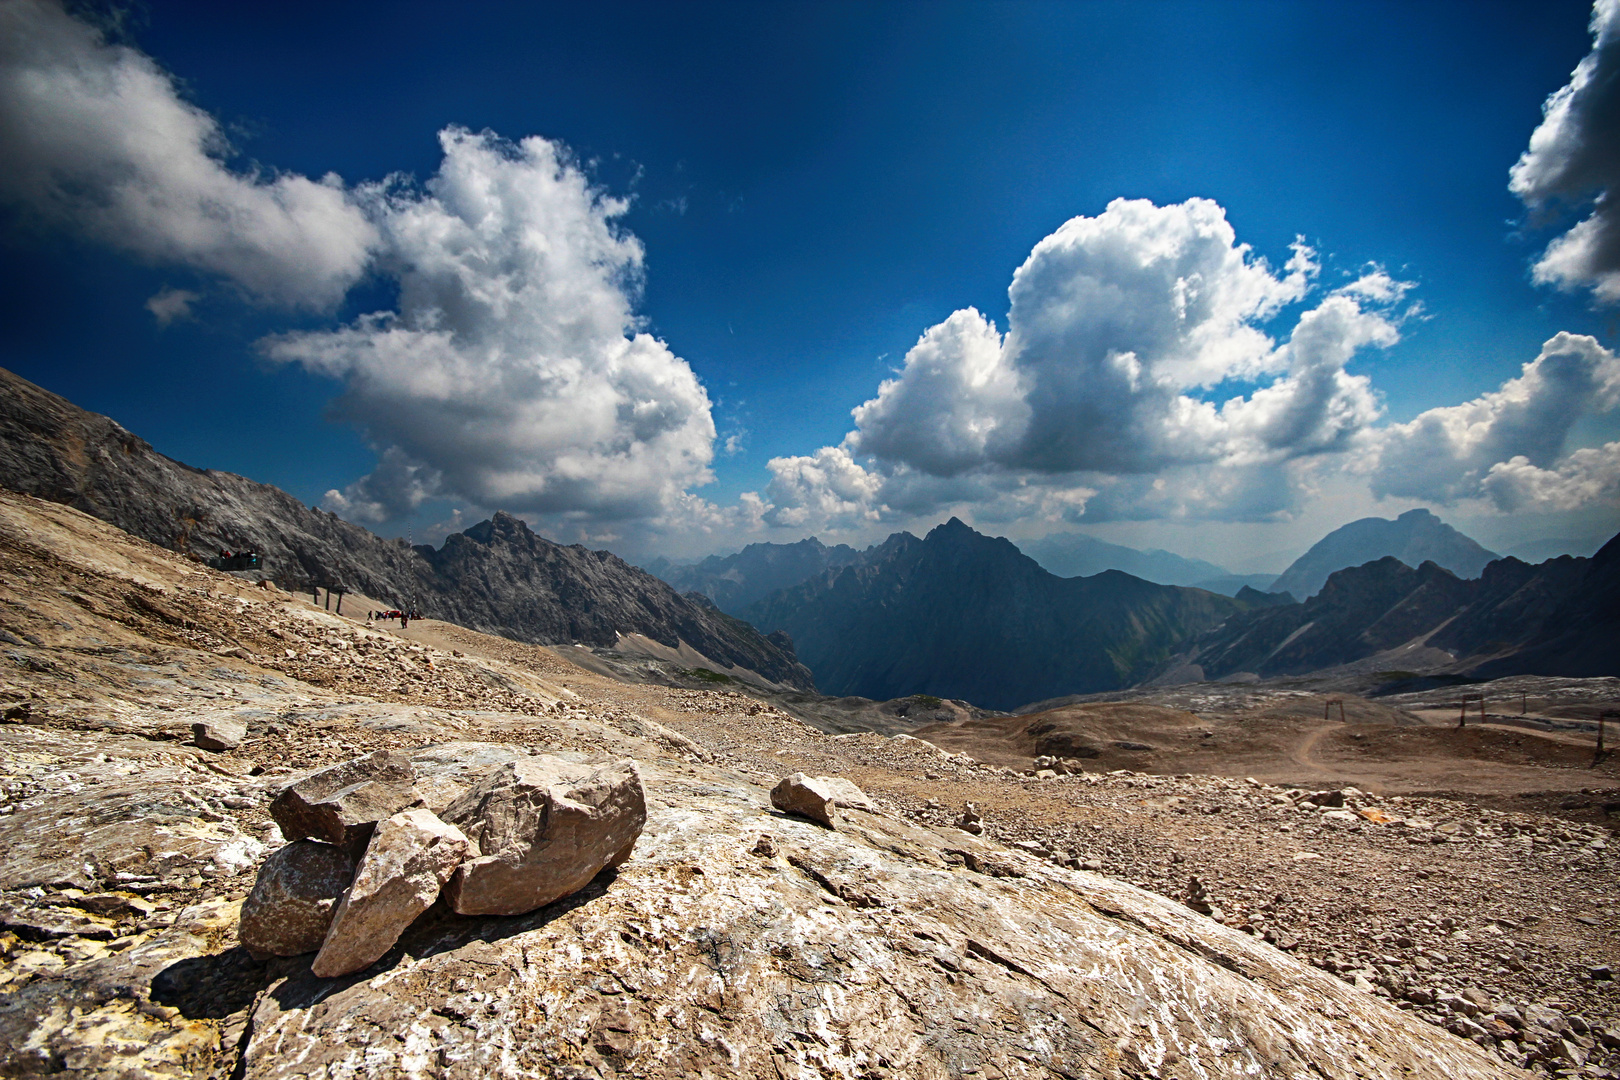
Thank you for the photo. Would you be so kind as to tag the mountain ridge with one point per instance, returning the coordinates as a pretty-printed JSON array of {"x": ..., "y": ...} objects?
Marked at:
[
  {"x": 1415, "y": 537},
  {"x": 546, "y": 594},
  {"x": 1081, "y": 555},
  {"x": 1559, "y": 617},
  {"x": 961, "y": 615},
  {"x": 734, "y": 582}
]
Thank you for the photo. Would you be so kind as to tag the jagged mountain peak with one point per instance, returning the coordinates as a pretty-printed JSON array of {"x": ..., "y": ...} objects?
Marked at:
[{"x": 965, "y": 616}]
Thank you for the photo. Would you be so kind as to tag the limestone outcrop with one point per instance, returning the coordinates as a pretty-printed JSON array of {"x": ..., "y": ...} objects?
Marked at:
[{"x": 736, "y": 943}]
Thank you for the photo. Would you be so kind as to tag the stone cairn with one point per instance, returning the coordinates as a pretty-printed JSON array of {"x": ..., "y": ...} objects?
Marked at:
[{"x": 365, "y": 858}]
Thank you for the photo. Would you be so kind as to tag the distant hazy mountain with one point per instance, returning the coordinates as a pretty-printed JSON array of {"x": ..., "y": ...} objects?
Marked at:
[
  {"x": 734, "y": 582},
  {"x": 961, "y": 615},
  {"x": 1536, "y": 551},
  {"x": 1079, "y": 555},
  {"x": 1414, "y": 538},
  {"x": 1233, "y": 584}
]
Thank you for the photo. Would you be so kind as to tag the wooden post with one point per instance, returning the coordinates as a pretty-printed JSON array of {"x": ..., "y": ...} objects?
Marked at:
[
  {"x": 340, "y": 600},
  {"x": 1462, "y": 721},
  {"x": 1327, "y": 709},
  {"x": 1524, "y": 704},
  {"x": 1341, "y": 710}
]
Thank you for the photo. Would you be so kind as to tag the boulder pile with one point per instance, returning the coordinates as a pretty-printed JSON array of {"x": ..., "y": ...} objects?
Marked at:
[{"x": 366, "y": 858}]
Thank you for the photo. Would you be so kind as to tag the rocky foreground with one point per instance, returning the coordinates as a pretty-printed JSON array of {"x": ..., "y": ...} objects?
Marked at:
[{"x": 736, "y": 939}]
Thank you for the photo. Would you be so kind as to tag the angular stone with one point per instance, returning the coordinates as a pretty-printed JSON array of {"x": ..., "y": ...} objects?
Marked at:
[
  {"x": 807, "y": 796},
  {"x": 410, "y": 857},
  {"x": 342, "y": 804},
  {"x": 544, "y": 827},
  {"x": 293, "y": 901},
  {"x": 847, "y": 796},
  {"x": 218, "y": 734}
]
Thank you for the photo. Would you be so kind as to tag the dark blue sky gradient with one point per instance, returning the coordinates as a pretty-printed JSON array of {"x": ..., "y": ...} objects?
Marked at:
[{"x": 850, "y": 174}]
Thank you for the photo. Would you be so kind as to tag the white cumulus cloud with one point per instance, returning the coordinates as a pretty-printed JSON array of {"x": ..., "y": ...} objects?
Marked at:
[
  {"x": 1122, "y": 332},
  {"x": 514, "y": 372},
  {"x": 96, "y": 136},
  {"x": 1589, "y": 475},
  {"x": 1449, "y": 453},
  {"x": 1573, "y": 160}
]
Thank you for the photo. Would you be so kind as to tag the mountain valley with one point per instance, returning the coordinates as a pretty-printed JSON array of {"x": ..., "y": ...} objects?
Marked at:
[{"x": 119, "y": 917}]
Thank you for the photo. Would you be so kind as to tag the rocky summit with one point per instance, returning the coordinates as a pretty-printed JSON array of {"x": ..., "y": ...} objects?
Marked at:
[{"x": 160, "y": 920}]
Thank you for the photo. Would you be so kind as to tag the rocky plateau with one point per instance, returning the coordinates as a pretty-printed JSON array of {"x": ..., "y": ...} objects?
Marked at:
[{"x": 1333, "y": 930}]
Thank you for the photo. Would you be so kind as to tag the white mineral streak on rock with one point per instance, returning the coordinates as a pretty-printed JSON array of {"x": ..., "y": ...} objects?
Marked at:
[{"x": 859, "y": 950}]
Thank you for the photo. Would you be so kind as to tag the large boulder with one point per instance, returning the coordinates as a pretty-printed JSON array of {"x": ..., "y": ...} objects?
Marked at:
[
  {"x": 294, "y": 899},
  {"x": 807, "y": 796},
  {"x": 410, "y": 857},
  {"x": 342, "y": 804},
  {"x": 543, "y": 827}
]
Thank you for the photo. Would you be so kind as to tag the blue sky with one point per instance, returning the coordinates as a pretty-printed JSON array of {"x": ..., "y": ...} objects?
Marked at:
[{"x": 812, "y": 188}]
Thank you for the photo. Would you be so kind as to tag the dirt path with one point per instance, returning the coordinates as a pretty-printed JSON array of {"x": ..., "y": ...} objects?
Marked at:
[{"x": 1303, "y": 752}]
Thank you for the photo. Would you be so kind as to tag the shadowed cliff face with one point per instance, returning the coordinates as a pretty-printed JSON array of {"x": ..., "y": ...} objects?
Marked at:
[
  {"x": 499, "y": 576},
  {"x": 961, "y": 615}
]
